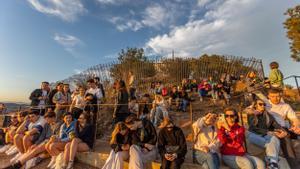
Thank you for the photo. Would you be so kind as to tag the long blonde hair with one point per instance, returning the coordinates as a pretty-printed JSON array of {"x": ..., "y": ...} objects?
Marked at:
[{"x": 119, "y": 127}]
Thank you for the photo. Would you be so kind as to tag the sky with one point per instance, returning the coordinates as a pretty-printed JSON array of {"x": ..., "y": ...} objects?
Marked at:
[{"x": 50, "y": 40}]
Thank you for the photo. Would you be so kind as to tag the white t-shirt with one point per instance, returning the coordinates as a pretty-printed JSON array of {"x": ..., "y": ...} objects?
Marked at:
[
  {"x": 42, "y": 102},
  {"x": 96, "y": 92},
  {"x": 39, "y": 124},
  {"x": 282, "y": 112},
  {"x": 79, "y": 101}
]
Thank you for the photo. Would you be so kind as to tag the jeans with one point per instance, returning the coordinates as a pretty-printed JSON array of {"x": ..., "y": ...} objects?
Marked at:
[
  {"x": 157, "y": 115},
  {"x": 183, "y": 104},
  {"x": 243, "y": 162},
  {"x": 207, "y": 160},
  {"x": 270, "y": 143}
]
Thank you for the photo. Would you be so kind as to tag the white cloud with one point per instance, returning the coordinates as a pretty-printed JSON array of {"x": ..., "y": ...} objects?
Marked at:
[
  {"x": 112, "y": 2},
  {"x": 67, "y": 10},
  {"x": 202, "y": 3},
  {"x": 154, "y": 16},
  {"x": 69, "y": 42}
]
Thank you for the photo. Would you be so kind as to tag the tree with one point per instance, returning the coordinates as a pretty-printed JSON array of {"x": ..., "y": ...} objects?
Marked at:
[{"x": 292, "y": 24}]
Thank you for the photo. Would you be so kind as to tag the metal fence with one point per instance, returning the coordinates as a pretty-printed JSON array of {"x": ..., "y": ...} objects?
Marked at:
[{"x": 170, "y": 70}]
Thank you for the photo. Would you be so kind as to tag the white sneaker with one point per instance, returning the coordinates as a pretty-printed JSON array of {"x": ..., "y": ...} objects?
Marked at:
[
  {"x": 15, "y": 159},
  {"x": 5, "y": 148},
  {"x": 31, "y": 163},
  {"x": 52, "y": 162},
  {"x": 13, "y": 151}
]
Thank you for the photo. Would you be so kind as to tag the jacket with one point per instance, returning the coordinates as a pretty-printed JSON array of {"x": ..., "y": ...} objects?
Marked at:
[
  {"x": 34, "y": 97},
  {"x": 232, "y": 141}
]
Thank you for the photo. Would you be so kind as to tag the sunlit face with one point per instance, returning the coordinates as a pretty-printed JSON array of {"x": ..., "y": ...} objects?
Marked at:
[
  {"x": 82, "y": 119},
  {"x": 50, "y": 120},
  {"x": 60, "y": 87},
  {"x": 81, "y": 91},
  {"x": 66, "y": 88},
  {"x": 68, "y": 119},
  {"x": 260, "y": 106},
  {"x": 133, "y": 126},
  {"x": 274, "y": 97},
  {"x": 44, "y": 86},
  {"x": 20, "y": 118},
  {"x": 213, "y": 119},
  {"x": 33, "y": 118},
  {"x": 230, "y": 117},
  {"x": 14, "y": 119}
]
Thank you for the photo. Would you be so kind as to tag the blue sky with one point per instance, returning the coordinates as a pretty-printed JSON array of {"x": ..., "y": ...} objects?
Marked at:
[{"x": 51, "y": 40}]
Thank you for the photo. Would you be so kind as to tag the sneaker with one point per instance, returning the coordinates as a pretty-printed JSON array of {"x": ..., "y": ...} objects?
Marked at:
[
  {"x": 273, "y": 165},
  {"x": 70, "y": 165},
  {"x": 31, "y": 163},
  {"x": 15, "y": 159},
  {"x": 13, "y": 151},
  {"x": 52, "y": 162},
  {"x": 5, "y": 148}
]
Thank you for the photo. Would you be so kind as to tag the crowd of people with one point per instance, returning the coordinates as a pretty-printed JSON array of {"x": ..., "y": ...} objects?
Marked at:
[{"x": 61, "y": 123}]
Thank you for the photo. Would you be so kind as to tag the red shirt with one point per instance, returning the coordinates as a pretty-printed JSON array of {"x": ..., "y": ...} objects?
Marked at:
[{"x": 233, "y": 140}]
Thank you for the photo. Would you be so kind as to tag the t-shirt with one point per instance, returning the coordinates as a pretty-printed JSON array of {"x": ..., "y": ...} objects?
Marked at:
[
  {"x": 42, "y": 102},
  {"x": 39, "y": 124},
  {"x": 282, "y": 112},
  {"x": 96, "y": 92},
  {"x": 79, "y": 101}
]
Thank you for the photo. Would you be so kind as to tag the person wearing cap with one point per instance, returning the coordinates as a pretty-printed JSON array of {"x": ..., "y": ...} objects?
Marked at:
[
  {"x": 32, "y": 157},
  {"x": 206, "y": 143},
  {"x": 39, "y": 98},
  {"x": 144, "y": 137},
  {"x": 171, "y": 145}
]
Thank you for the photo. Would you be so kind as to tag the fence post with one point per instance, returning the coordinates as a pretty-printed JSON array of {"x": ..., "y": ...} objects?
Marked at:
[{"x": 296, "y": 80}]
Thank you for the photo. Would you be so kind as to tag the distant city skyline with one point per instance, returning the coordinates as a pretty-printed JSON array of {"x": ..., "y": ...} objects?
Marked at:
[{"x": 52, "y": 40}]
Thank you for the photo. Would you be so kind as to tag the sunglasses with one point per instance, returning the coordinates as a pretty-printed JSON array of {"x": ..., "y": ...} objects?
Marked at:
[
  {"x": 229, "y": 115},
  {"x": 261, "y": 104}
]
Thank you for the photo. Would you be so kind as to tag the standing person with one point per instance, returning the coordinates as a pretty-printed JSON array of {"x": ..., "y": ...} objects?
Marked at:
[
  {"x": 184, "y": 99},
  {"x": 78, "y": 103},
  {"x": 120, "y": 143},
  {"x": 2, "y": 108},
  {"x": 144, "y": 107},
  {"x": 94, "y": 96},
  {"x": 232, "y": 138},
  {"x": 265, "y": 132},
  {"x": 60, "y": 100},
  {"x": 206, "y": 143},
  {"x": 174, "y": 97},
  {"x": 39, "y": 98},
  {"x": 82, "y": 141},
  {"x": 100, "y": 86},
  {"x": 50, "y": 103},
  {"x": 275, "y": 76},
  {"x": 121, "y": 104},
  {"x": 144, "y": 139},
  {"x": 171, "y": 145},
  {"x": 132, "y": 83},
  {"x": 133, "y": 106}
]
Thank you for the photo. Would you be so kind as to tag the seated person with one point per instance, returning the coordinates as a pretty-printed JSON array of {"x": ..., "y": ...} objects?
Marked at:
[
  {"x": 184, "y": 99},
  {"x": 133, "y": 106},
  {"x": 144, "y": 107},
  {"x": 174, "y": 97},
  {"x": 120, "y": 143},
  {"x": 171, "y": 145},
  {"x": 9, "y": 132},
  {"x": 56, "y": 145},
  {"x": 32, "y": 157},
  {"x": 206, "y": 143},
  {"x": 144, "y": 139},
  {"x": 159, "y": 110},
  {"x": 24, "y": 141},
  {"x": 265, "y": 132},
  {"x": 204, "y": 88},
  {"x": 82, "y": 141},
  {"x": 232, "y": 138}
]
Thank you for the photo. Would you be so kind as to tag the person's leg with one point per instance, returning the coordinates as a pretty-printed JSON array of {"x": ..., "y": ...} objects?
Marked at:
[
  {"x": 135, "y": 160},
  {"x": 207, "y": 160},
  {"x": 110, "y": 160},
  {"x": 121, "y": 156},
  {"x": 77, "y": 146},
  {"x": 57, "y": 148},
  {"x": 165, "y": 164},
  {"x": 184, "y": 104},
  {"x": 237, "y": 162},
  {"x": 27, "y": 142},
  {"x": 18, "y": 142},
  {"x": 33, "y": 153},
  {"x": 67, "y": 153},
  {"x": 176, "y": 164},
  {"x": 256, "y": 162}
]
